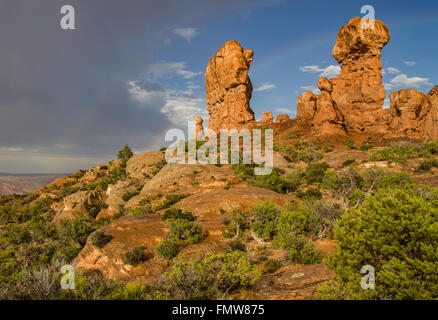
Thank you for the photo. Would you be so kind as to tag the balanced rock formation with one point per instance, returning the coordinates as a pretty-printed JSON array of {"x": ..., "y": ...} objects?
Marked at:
[
  {"x": 358, "y": 91},
  {"x": 267, "y": 117},
  {"x": 229, "y": 88},
  {"x": 354, "y": 99}
]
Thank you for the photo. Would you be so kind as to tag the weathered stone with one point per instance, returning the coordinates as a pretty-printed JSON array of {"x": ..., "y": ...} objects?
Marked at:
[
  {"x": 358, "y": 91},
  {"x": 267, "y": 117},
  {"x": 281, "y": 118},
  {"x": 229, "y": 88}
]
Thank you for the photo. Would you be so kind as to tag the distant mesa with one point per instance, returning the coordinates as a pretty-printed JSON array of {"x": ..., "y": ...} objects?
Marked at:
[{"x": 349, "y": 103}]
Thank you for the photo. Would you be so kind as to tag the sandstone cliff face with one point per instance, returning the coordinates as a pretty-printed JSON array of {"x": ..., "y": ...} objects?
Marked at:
[{"x": 229, "y": 88}]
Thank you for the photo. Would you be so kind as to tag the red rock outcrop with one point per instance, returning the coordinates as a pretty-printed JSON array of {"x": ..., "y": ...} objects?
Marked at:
[
  {"x": 414, "y": 114},
  {"x": 229, "y": 88},
  {"x": 358, "y": 91},
  {"x": 353, "y": 99},
  {"x": 267, "y": 117},
  {"x": 319, "y": 111},
  {"x": 199, "y": 129},
  {"x": 281, "y": 118}
]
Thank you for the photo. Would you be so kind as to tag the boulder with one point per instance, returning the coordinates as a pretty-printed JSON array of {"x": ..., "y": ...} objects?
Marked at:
[
  {"x": 81, "y": 202},
  {"x": 142, "y": 165},
  {"x": 128, "y": 233},
  {"x": 281, "y": 118},
  {"x": 267, "y": 117}
]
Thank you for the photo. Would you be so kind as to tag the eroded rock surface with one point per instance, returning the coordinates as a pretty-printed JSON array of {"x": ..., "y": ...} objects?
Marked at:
[{"x": 229, "y": 88}]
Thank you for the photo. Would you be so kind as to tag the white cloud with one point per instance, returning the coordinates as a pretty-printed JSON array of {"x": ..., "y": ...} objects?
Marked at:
[
  {"x": 264, "y": 87},
  {"x": 285, "y": 110},
  {"x": 186, "y": 33},
  {"x": 179, "y": 106},
  {"x": 402, "y": 80},
  {"x": 327, "y": 72},
  {"x": 392, "y": 70},
  {"x": 170, "y": 69},
  {"x": 386, "y": 104},
  {"x": 314, "y": 89},
  {"x": 11, "y": 149},
  {"x": 410, "y": 63}
]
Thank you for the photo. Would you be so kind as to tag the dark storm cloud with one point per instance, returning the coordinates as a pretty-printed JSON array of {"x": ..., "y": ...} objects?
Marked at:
[{"x": 69, "y": 88}]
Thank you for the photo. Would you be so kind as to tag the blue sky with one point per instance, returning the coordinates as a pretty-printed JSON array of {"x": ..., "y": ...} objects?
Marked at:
[
  {"x": 134, "y": 69},
  {"x": 293, "y": 34}
]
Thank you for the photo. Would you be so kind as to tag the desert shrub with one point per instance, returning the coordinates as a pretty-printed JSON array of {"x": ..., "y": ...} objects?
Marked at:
[
  {"x": 236, "y": 245},
  {"x": 168, "y": 248},
  {"x": 315, "y": 172},
  {"x": 365, "y": 146},
  {"x": 324, "y": 216},
  {"x": 426, "y": 165},
  {"x": 170, "y": 200},
  {"x": 429, "y": 148},
  {"x": 185, "y": 231},
  {"x": 235, "y": 224},
  {"x": 394, "y": 180},
  {"x": 349, "y": 145},
  {"x": 302, "y": 250},
  {"x": 76, "y": 230},
  {"x": 128, "y": 195},
  {"x": 396, "y": 232},
  {"x": 398, "y": 153},
  {"x": 212, "y": 277},
  {"x": 244, "y": 171},
  {"x": 100, "y": 239},
  {"x": 182, "y": 231},
  {"x": 176, "y": 213},
  {"x": 138, "y": 211},
  {"x": 310, "y": 194},
  {"x": 348, "y": 162},
  {"x": 137, "y": 291},
  {"x": 271, "y": 265},
  {"x": 96, "y": 208},
  {"x": 264, "y": 219},
  {"x": 125, "y": 154},
  {"x": 136, "y": 256},
  {"x": 275, "y": 182}
]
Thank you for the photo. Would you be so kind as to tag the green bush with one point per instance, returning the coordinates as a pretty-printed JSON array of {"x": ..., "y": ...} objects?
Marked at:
[
  {"x": 100, "y": 239},
  {"x": 302, "y": 251},
  {"x": 136, "y": 256},
  {"x": 125, "y": 154},
  {"x": 427, "y": 164},
  {"x": 348, "y": 162},
  {"x": 234, "y": 225},
  {"x": 236, "y": 245},
  {"x": 398, "y": 153},
  {"x": 275, "y": 182},
  {"x": 128, "y": 195},
  {"x": 168, "y": 248},
  {"x": 349, "y": 145},
  {"x": 76, "y": 230},
  {"x": 271, "y": 265},
  {"x": 396, "y": 232},
  {"x": 310, "y": 194},
  {"x": 315, "y": 172},
  {"x": 175, "y": 213},
  {"x": 264, "y": 219},
  {"x": 212, "y": 277},
  {"x": 185, "y": 231},
  {"x": 170, "y": 200}
]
